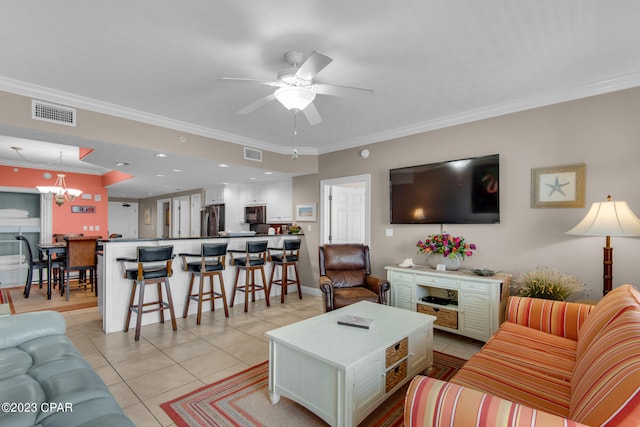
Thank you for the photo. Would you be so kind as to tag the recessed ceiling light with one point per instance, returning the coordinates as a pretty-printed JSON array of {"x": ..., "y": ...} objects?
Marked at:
[
  {"x": 176, "y": 170},
  {"x": 122, "y": 164},
  {"x": 252, "y": 178},
  {"x": 161, "y": 155},
  {"x": 160, "y": 175},
  {"x": 268, "y": 173},
  {"x": 223, "y": 165}
]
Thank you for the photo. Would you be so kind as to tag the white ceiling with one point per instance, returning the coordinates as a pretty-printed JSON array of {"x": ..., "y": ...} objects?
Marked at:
[{"x": 431, "y": 63}]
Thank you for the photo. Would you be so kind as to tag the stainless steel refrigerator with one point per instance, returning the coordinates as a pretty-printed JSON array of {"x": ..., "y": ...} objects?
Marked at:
[{"x": 212, "y": 221}]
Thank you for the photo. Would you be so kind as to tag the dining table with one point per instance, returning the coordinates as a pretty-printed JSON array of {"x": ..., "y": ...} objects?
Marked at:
[{"x": 48, "y": 251}]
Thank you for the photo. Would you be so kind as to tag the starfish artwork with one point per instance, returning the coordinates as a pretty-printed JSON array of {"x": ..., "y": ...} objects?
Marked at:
[{"x": 556, "y": 186}]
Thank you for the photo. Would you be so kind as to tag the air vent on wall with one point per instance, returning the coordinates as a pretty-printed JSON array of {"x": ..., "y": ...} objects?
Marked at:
[
  {"x": 53, "y": 113},
  {"x": 252, "y": 154}
]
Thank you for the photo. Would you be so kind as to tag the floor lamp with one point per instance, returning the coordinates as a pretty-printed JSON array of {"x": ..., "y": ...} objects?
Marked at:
[{"x": 608, "y": 219}]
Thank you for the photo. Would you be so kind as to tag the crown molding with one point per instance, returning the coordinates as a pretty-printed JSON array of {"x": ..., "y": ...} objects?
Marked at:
[
  {"x": 626, "y": 81},
  {"x": 622, "y": 82},
  {"x": 19, "y": 87}
]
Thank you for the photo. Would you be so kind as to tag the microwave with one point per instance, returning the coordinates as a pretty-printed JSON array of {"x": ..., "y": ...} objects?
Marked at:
[{"x": 255, "y": 214}]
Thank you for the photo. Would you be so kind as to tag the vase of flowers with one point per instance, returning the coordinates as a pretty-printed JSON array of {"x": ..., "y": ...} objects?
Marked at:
[{"x": 445, "y": 249}]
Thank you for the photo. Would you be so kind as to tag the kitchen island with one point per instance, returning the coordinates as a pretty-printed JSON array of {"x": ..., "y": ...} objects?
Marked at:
[{"x": 114, "y": 290}]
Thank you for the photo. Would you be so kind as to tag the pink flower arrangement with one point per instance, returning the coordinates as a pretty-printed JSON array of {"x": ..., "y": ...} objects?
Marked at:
[{"x": 446, "y": 244}]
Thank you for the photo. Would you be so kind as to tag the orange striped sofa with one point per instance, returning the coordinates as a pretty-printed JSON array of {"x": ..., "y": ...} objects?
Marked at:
[{"x": 551, "y": 363}]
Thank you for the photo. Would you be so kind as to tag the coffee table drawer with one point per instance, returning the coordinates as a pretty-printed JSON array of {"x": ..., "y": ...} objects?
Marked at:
[
  {"x": 397, "y": 351},
  {"x": 395, "y": 375}
]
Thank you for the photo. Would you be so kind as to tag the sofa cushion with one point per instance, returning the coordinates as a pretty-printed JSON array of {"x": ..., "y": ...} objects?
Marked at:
[
  {"x": 521, "y": 378},
  {"x": 21, "y": 389},
  {"x": 549, "y": 354},
  {"x": 15, "y": 330},
  {"x": 48, "y": 372},
  {"x": 617, "y": 301},
  {"x": 564, "y": 319},
  {"x": 431, "y": 402},
  {"x": 605, "y": 388},
  {"x": 14, "y": 361}
]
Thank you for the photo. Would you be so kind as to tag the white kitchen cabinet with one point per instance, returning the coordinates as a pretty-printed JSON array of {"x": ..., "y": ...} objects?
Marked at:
[
  {"x": 276, "y": 196},
  {"x": 476, "y": 304},
  {"x": 214, "y": 194},
  {"x": 279, "y": 202}
]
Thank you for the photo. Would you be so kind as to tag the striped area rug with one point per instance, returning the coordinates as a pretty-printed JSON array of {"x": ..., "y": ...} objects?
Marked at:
[{"x": 243, "y": 400}]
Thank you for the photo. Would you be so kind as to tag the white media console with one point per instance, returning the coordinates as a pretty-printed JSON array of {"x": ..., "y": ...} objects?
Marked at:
[{"x": 477, "y": 303}]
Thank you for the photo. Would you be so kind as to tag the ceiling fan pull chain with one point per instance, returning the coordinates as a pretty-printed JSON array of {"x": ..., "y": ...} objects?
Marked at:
[{"x": 295, "y": 135}]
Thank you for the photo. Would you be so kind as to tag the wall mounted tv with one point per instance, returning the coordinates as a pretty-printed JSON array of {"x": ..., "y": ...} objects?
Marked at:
[{"x": 464, "y": 191}]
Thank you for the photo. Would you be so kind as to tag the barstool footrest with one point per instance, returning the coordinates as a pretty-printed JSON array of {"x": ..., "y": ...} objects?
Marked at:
[{"x": 165, "y": 306}]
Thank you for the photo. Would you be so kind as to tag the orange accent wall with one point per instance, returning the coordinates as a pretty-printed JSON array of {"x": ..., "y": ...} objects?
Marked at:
[{"x": 63, "y": 220}]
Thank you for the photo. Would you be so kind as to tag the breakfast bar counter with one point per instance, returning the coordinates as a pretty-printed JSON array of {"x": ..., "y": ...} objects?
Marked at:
[{"x": 114, "y": 290}]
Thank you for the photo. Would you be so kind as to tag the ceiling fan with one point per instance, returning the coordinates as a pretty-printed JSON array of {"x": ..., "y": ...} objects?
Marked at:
[{"x": 296, "y": 88}]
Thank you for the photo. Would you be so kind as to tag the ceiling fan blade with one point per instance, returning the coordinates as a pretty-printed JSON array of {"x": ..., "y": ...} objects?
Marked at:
[
  {"x": 259, "y": 103},
  {"x": 313, "y": 65},
  {"x": 256, "y": 81},
  {"x": 346, "y": 91},
  {"x": 312, "y": 114}
]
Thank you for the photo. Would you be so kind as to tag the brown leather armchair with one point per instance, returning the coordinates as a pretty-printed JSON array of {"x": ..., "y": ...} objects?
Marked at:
[{"x": 345, "y": 276}]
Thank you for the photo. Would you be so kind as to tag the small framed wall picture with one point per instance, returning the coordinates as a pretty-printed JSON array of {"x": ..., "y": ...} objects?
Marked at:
[
  {"x": 558, "y": 186},
  {"x": 147, "y": 215},
  {"x": 305, "y": 212}
]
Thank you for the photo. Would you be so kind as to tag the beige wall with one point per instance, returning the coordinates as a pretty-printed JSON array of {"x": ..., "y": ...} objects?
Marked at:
[
  {"x": 602, "y": 131},
  {"x": 95, "y": 128}
]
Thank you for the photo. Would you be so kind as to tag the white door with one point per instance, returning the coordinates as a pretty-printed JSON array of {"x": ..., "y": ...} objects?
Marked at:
[
  {"x": 181, "y": 217},
  {"x": 163, "y": 218},
  {"x": 123, "y": 219},
  {"x": 347, "y": 212},
  {"x": 345, "y": 209},
  {"x": 196, "y": 207}
]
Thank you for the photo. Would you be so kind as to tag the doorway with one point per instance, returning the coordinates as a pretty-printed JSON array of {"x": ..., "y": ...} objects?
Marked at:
[
  {"x": 123, "y": 219},
  {"x": 163, "y": 219},
  {"x": 345, "y": 204}
]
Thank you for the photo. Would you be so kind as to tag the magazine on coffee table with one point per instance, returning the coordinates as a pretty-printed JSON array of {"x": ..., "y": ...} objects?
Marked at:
[{"x": 356, "y": 321}]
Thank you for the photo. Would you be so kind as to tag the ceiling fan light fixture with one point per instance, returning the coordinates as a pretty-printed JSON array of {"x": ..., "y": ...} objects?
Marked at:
[{"x": 295, "y": 97}]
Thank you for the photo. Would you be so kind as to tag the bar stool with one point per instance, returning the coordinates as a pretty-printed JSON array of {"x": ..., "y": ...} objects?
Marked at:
[
  {"x": 288, "y": 257},
  {"x": 255, "y": 259},
  {"x": 211, "y": 263},
  {"x": 154, "y": 267}
]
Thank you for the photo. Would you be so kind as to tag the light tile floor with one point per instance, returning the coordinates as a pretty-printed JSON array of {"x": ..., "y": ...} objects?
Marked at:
[{"x": 164, "y": 364}]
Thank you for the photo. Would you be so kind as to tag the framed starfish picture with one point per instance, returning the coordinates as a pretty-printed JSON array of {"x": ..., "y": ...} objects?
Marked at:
[{"x": 558, "y": 187}]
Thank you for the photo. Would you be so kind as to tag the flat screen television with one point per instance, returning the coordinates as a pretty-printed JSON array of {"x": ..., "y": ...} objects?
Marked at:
[{"x": 463, "y": 191}]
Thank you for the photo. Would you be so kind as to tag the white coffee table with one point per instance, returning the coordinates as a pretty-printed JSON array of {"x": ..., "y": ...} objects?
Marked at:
[{"x": 342, "y": 373}]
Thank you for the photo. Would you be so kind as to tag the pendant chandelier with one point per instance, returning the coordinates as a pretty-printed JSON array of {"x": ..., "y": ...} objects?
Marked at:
[{"x": 60, "y": 192}]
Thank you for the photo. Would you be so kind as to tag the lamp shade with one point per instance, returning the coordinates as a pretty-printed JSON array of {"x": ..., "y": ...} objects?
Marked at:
[
  {"x": 608, "y": 219},
  {"x": 295, "y": 97}
]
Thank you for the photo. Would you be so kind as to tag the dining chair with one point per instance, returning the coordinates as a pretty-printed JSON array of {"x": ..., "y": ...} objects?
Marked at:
[
  {"x": 34, "y": 264},
  {"x": 80, "y": 257}
]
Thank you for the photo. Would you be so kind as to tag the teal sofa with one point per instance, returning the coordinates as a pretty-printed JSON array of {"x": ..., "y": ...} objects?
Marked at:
[{"x": 44, "y": 381}]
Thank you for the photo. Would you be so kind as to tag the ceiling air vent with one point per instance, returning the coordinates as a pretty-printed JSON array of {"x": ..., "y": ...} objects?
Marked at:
[
  {"x": 252, "y": 154},
  {"x": 53, "y": 113}
]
